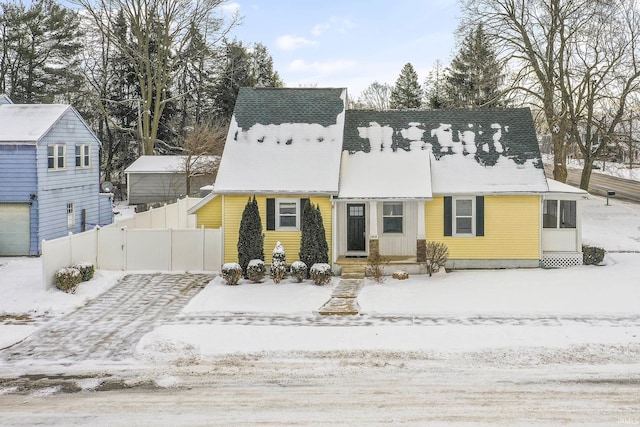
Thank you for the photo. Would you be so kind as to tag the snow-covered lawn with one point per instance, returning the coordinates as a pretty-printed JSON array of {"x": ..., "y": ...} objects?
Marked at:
[{"x": 587, "y": 291}]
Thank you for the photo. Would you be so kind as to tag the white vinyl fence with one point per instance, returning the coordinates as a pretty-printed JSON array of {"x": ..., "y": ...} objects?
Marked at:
[
  {"x": 127, "y": 246},
  {"x": 168, "y": 216}
]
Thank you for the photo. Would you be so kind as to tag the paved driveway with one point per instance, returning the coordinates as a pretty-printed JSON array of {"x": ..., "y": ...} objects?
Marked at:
[{"x": 110, "y": 326}]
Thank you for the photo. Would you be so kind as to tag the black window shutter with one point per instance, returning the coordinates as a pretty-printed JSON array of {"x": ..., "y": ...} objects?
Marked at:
[
  {"x": 271, "y": 214},
  {"x": 479, "y": 215},
  {"x": 448, "y": 214},
  {"x": 303, "y": 204}
]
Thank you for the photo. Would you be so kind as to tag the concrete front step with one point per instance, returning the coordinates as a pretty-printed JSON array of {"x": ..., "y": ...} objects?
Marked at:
[
  {"x": 353, "y": 273},
  {"x": 340, "y": 306}
]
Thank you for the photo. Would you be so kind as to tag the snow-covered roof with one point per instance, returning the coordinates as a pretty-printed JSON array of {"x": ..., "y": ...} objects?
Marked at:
[
  {"x": 560, "y": 187},
  {"x": 284, "y": 141},
  {"x": 27, "y": 123},
  {"x": 4, "y": 99},
  {"x": 470, "y": 151},
  {"x": 166, "y": 164}
]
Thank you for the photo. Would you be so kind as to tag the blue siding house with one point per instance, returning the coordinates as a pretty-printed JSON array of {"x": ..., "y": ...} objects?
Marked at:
[{"x": 49, "y": 176}]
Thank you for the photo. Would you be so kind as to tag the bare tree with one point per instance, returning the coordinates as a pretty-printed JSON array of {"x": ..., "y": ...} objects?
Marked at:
[
  {"x": 158, "y": 32},
  {"x": 601, "y": 75},
  {"x": 533, "y": 36},
  {"x": 202, "y": 149},
  {"x": 377, "y": 96}
]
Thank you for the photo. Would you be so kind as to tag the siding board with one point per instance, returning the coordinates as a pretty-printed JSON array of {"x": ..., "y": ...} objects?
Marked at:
[{"x": 511, "y": 229}]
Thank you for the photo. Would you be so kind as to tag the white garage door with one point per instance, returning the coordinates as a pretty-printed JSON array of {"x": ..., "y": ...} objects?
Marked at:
[{"x": 14, "y": 229}]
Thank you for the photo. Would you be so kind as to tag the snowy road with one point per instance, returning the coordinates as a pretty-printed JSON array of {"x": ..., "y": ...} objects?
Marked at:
[{"x": 511, "y": 387}]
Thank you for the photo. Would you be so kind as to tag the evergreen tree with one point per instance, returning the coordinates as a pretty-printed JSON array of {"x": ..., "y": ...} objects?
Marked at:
[
  {"x": 313, "y": 241},
  {"x": 475, "y": 74},
  {"x": 250, "y": 239},
  {"x": 407, "y": 92},
  {"x": 262, "y": 73},
  {"x": 434, "y": 90}
]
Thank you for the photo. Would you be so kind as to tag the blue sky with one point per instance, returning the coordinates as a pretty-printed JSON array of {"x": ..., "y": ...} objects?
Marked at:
[{"x": 349, "y": 43}]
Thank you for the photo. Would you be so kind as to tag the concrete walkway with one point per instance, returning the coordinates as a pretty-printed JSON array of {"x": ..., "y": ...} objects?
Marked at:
[
  {"x": 343, "y": 299},
  {"x": 110, "y": 326}
]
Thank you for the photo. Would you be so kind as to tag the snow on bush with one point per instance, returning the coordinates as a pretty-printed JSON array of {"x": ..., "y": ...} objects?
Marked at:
[
  {"x": 278, "y": 264},
  {"x": 256, "y": 270},
  {"x": 86, "y": 270},
  {"x": 437, "y": 254},
  {"x": 320, "y": 273},
  {"x": 592, "y": 255},
  {"x": 400, "y": 275},
  {"x": 68, "y": 279},
  {"x": 231, "y": 272},
  {"x": 299, "y": 271}
]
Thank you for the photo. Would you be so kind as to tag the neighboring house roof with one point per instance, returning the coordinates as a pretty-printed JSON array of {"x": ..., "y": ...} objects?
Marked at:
[
  {"x": 284, "y": 141},
  {"x": 27, "y": 123},
  {"x": 4, "y": 99},
  {"x": 167, "y": 164},
  {"x": 466, "y": 151}
]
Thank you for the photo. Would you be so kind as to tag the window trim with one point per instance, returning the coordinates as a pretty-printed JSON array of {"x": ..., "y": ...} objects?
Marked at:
[
  {"x": 71, "y": 215},
  {"x": 402, "y": 216},
  {"x": 454, "y": 216},
  {"x": 298, "y": 215},
  {"x": 559, "y": 210},
  {"x": 57, "y": 157},
  {"x": 83, "y": 156}
]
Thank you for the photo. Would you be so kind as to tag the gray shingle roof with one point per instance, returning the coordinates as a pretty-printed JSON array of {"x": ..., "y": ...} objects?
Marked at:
[
  {"x": 287, "y": 105},
  {"x": 518, "y": 133}
]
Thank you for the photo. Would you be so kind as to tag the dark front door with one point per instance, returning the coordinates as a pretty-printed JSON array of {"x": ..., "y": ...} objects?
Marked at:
[{"x": 355, "y": 227}]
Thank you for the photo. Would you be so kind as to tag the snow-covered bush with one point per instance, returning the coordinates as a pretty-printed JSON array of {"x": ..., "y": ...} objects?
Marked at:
[
  {"x": 256, "y": 270},
  {"x": 375, "y": 266},
  {"x": 231, "y": 272},
  {"x": 86, "y": 270},
  {"x": 592, "y": 255},
  {"x": 68, "y": 279},
  {"x": 299, "y": 271},
  {"x": 400, "y": 275},
  {"x": 320, "y": 273},
  {"x": 278, "y": 264},
  {"x": 437, "y": 254}
]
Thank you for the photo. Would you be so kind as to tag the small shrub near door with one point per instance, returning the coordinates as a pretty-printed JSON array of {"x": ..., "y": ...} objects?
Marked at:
[
  {"x": 299, "y": 271},
  {"x": 231, "y": 273},
  {"x": 375, "y": 266},
  {"x": 320, "y": 273},
  {"x": 437, "y": 254}
]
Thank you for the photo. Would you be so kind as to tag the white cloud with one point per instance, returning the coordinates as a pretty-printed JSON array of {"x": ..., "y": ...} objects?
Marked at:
[
  {"x": 329, "y": 67},
  {"x": 289, "y": 42},
  {"x": 335, "y": 24}
]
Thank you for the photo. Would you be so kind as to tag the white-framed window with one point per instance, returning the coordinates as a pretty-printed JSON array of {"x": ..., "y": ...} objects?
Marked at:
[
  {"x": 287, "y": 214},
  {"x": 392, "y": 217},
  {"x": 559, "y": 214},
  {"x": 83, "y": 156},
  {"x": 463, "y": 216},
  {"x": 56, "y": 156},
  {"x": 71, "y": 215}
]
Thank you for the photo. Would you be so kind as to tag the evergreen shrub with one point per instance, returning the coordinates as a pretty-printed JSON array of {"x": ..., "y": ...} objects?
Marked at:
[
  {"x": 320, "y": 273},
  {"x": 67, "y": 279},
  {"x": 231, "y": 272},
  {"x": 278, "y": 264},
  {"x": 256, "y": 270},
  {"x": 250, "y": 239},
  {"x": 592, "y": 255},
  {"x": 299, "y": 271},
  {"x": 86, "y": 269},
  {"x": 313, "y": 241}
]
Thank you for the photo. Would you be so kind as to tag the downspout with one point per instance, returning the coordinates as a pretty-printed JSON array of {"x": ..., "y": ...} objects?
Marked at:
[{"x": 334, "y": 233}]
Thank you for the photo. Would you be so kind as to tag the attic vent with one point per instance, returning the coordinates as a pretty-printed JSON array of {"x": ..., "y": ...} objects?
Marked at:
[{"x": 561, "y": 260}]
